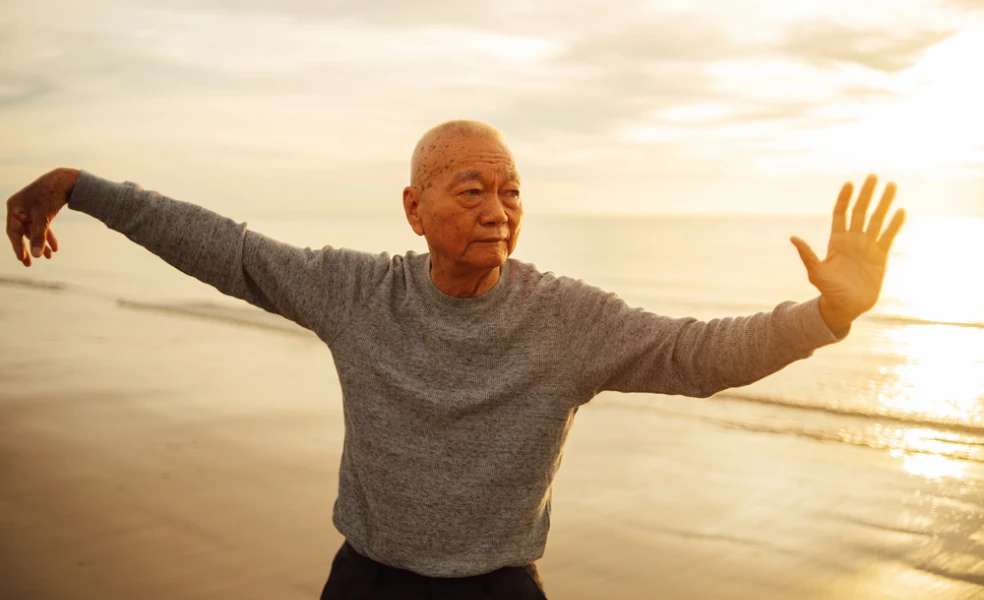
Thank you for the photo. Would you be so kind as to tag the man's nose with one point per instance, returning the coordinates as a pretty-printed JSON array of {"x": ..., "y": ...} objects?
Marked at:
[{"x": 494, "y": 213}]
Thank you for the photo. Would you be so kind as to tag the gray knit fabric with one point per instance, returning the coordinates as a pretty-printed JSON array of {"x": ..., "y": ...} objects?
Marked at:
[{"x": 456, "y": 409}]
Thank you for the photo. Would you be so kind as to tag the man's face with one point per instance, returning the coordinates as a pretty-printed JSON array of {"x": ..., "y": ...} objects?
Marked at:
[{"x": 469, "y": 209}]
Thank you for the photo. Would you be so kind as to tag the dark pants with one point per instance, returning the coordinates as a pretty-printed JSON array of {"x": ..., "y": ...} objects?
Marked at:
[{"x": 356, "y": 577}]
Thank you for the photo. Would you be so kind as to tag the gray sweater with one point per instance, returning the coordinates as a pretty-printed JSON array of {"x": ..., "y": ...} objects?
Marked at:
[{"x": 456, "y": 409}]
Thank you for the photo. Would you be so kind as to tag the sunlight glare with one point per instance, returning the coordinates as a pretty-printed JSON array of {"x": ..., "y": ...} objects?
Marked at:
[
  {"x": 941, "y": 381},
  {"x": 933, "y": 125},
  {"x": 931, "y": 466},
  {"x": 932, "y": 270},
  {"x": 930, "y": 285}
]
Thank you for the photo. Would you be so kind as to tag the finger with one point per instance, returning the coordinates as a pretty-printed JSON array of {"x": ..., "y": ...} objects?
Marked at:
[
  {"x": 861, "y": 206},
  {"x": 840, "y": 208},
  {"x": 52, "y": 240},
  {"x": 38, "y": 232},
  {"x": 807, "y": 255},
  {"x": 15, "y": 231},
  {"x": 885, "y": 241},
  {"x": 47, "y": 251},
  {"x": 878, "y": 217}
]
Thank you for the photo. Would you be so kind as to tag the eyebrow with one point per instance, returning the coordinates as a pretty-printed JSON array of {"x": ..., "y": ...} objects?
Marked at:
[{"x": 511, "y": 176}]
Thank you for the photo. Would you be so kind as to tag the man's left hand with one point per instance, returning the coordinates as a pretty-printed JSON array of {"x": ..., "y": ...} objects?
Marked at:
[{"x": 850, "y": 277}]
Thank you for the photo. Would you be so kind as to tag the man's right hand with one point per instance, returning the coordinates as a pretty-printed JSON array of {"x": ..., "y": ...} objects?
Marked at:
[{"x": 30, "y": 211}]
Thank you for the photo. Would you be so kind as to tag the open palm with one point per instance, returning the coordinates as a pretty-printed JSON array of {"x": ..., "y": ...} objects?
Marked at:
[{"x": 850, "y": 277}]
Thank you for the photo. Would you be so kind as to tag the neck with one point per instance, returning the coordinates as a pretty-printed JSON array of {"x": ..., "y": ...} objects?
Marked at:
[{"x": 464, "y": 285}]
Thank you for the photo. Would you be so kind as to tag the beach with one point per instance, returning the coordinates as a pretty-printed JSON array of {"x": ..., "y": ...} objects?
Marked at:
[{"x": 175, "y": 449}]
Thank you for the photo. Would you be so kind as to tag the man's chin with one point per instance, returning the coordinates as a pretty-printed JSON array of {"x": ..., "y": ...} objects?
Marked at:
[{"x": 490, "y": 260}]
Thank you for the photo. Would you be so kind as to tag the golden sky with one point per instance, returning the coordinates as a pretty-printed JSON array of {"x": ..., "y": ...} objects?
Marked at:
[{"x": 258, "y": 107}]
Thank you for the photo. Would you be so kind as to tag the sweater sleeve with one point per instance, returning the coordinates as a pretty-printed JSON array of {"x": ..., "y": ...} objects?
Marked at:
[
  {"x": 632, "y": 350},
  {"x": 317, "y": 289}
]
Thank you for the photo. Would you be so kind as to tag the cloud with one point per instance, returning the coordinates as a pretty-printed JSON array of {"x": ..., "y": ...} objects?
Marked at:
[
  {"x": 517, "y": 16},
  {"x": 827, "y": 44},
  {"x": 382, "y": 12},
  {"x": 867, "y": 92},
  {"x": 17, "y": 89},
  {"x": 658, "y": 38},
  {"x": 967, "y": 4},
  {"x": 327, "y": 91},
  {"x": 619, "y": 73}
]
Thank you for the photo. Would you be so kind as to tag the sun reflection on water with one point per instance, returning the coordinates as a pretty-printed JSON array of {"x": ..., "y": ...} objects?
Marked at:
[
  {"x": 924, "y": 451},
  {"x": 936, "y": 271},
  {"x": 933, "y": 278},
  {"x": 931, "y": 466},
  {"x": 943, "y": 377}
]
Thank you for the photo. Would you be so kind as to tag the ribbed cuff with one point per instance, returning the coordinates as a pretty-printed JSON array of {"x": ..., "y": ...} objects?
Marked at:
[{"x": 812, "y": 328}]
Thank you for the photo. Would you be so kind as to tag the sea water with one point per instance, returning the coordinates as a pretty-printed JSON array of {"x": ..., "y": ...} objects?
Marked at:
[{"x": 908, "y": 380}]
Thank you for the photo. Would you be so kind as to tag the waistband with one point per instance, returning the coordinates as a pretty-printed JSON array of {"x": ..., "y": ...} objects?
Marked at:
[{"x": 395, "y": 575}]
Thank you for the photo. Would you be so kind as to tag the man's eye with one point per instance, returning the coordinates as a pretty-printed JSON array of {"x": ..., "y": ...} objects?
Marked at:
[
  {"x": 512, "y": 197},
  {"x": 472, "y": 192}
]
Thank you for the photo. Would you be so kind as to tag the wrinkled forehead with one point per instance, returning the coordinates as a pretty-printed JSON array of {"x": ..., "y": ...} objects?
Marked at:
[
  {"x": 498, "y": 173},
  {"x": 457, "y": 157}
]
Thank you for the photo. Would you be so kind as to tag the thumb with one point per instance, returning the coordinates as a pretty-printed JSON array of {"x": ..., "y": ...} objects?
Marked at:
[
  {"x": 38, "y": 233},
  {"x": 809, "y": 258}
]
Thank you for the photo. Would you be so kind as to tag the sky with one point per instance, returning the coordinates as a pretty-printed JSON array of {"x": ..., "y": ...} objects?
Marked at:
[{"x": 312, "y": 107}]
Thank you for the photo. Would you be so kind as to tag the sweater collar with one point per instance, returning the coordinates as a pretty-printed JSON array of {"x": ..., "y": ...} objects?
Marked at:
[{"x": 472, "y": 303}]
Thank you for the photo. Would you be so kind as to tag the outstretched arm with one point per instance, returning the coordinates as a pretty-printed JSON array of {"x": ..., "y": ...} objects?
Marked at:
[
  {"x": 633, "y": 350},
  {"x": 318, "y": 289}
]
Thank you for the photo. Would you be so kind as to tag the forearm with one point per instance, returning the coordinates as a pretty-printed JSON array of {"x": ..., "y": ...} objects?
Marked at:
[
  {"x": 727, "y": 353},
  {"x": 688, "y": 357},
  {"x": 193, "y": 239}
]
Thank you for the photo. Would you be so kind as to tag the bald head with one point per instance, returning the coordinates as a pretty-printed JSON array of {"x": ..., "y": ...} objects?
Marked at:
[{"x": 437, "y": 150}]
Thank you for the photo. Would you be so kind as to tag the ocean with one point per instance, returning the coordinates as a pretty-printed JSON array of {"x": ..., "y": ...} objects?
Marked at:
[
  {"x": 908, "y": 380},
  {"x": 905, "y": 390}
]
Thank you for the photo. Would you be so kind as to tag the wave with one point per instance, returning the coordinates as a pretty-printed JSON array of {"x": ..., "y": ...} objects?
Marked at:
[
  {"x": 37, "y": 284},
  {"x": 727, "y": 307},
  {"x": 245, "y": 316},
  {"x": 962, "y": 450},
  {"x": 249, "y": 317},
  {"x": 911, "y": 420},
  {"x": 820, "y": 435},
  {"x": 904, "y": 320}
]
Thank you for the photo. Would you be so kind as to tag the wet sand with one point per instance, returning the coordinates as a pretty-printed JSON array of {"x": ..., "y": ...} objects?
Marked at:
[{"x": 178, "y": 458}]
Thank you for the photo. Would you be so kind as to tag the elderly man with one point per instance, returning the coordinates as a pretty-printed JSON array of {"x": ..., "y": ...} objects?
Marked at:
[{"x": 462, "y": 369}]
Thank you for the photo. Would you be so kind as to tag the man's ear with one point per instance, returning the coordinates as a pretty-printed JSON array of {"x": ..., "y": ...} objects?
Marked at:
[{"x": 411, "y": 206}]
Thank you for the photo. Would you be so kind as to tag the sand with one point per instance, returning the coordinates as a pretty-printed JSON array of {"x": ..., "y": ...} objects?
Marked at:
[{"x": 157, "y": 456}]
